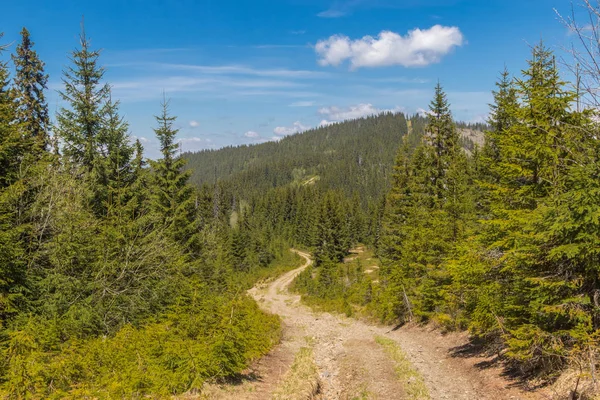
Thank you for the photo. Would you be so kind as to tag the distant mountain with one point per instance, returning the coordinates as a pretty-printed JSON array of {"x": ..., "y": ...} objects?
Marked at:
[{"x": 355, "y": 157}]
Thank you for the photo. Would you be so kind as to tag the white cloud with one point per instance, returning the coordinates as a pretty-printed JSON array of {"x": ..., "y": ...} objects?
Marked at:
[
  {"x": 417, "y": 48},
  {"x": 195, "y": 143},
  {"x": 194, "y": 124},
  {"x": 195, "y": 140},
  {"x": 336, "y": 114},
  {"x": 252, "y": 134},
  {"x": 423, "y": 112},
  {"x": 352, "y": 112},
  {"x": 290, "y": 130},
  {"x": 140, "y": 138},
  {"x": 480, "y": 119},
  {"x": 302, "y": 104}
]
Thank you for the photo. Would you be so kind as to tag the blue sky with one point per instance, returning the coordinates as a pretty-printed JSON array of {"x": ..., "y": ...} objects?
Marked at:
[{"x": 250, "y": 71}]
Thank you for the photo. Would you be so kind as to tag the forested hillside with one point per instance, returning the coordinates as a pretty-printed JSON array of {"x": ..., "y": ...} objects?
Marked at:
[{"x": 354, "y": 157}]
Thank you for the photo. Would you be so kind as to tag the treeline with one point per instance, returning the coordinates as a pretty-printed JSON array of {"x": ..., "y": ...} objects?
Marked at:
[
  {"x": 502, "y": 240},
  {"x": 118, "y": 278}
]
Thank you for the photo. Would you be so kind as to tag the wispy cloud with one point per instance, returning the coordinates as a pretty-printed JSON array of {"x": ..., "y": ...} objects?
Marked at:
[
  {"x": 281, "y": 46},
  {"x": 303, "y": 104},
  {"x": 195, "y": 143},
  {"x": 251, "y": 134},
  {"x": 400, "y": 79},
  {"x": 335, "y": 114},
  {"x": 297, "y": 127},
  {"x": 229, "y": 70},
  {"x": 194, "y": 124},
  {"x": 418, "y": 48},
  {"x": 151, "y": 86},
  {"x": 332, "y": 13},
  {"x": 341, "y": 8},
  {"x": 277, "y": 93}
]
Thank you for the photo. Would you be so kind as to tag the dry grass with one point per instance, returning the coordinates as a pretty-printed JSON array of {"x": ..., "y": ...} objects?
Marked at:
[
  {"x": 575, "y": 384},
  {"x": 302, "y": 380},
  {"x": 414, "y": 385}
]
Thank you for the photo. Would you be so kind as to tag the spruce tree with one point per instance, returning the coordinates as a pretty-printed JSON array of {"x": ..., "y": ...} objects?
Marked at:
[
  {"x": 537, "y": 282},
  {"x": 12, "y": 250},
  {"x": 138, "y": 203},
  {"x": 30, "y": 82},
  {"x": 172, "y": 198},
  {"x": 533, "y": 155},
  {"x": 114, "y": 167},
  {"x": 398, "y": 201},
  {"x": 502, "y": 116},
  {"x": 332, "y": 236},
  {"x": 442, "y": 134},
  {"x": 11, "y": 143},
  {"x": 80, "y": 124}
]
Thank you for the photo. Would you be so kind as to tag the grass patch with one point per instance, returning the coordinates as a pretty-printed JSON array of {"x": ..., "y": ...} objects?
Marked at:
[
  {"x": 413, "y": 381},
  {"x": 347, "y": 291},
  {"x": 285, "y": 262},
  {"x": 301, "y": 382}
]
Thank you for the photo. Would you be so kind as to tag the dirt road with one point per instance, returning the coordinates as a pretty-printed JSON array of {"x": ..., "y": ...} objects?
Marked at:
[{"x": 351, "y": 364}]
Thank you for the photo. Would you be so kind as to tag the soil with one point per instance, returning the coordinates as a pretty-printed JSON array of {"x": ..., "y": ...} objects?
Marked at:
[{"x": 352, "y": 365}]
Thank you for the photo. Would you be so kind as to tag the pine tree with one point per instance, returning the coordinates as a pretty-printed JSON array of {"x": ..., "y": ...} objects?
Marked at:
[
  {"x": 532, "y": 162},
  {"x": 173, "y": 198},
  {"x": 333, "y": 237},
  {"x": 398, "y": 201},
  {"x": 540, "y": 310},
  {"x": 79, "y": 125},
  {"x": 442, "y": 135},
  {"x": 502, "y": 116},
  {"x": 12, "y": 151},
  {"x": 30, "y": 82},
  {"x": 114, "y": 167},
  {"x": 140, "y": 181}
]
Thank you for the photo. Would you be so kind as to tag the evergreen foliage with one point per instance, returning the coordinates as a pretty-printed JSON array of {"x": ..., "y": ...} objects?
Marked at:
[
  {"x": 173, "y": 200},
  {"x": 500, "y": 241},
  {"x": 117, "y": 279},
  {"x": 79, "y": 125},
  {"x": 30, "y": 81}
]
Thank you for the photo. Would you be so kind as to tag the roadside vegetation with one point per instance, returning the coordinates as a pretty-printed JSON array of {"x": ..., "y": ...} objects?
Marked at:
[
  {"x": 413, "y": 381},
  {"x": 302, "y": 380}
]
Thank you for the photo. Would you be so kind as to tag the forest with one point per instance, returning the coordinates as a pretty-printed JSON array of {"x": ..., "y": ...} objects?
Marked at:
[
  {"x": 126, "y": 277},
  {"x": 118, "y": 278}
]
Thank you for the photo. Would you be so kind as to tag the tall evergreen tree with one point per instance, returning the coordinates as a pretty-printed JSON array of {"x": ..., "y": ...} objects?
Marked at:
[
  {"x": 12, "y": 252},
  {"x": 539, "y": 310},
  {"x": 502, "y": 115},
  {"x": 114, "y": 167},
  {"x": 173, "y": 199},
  {"x": 11, "y": 145},
  {"x": 79, "y": 125},
  {"x": 30, "y": 82},
  {"x": 332, "y": 236},
  {"x": 442, "y": 134}
]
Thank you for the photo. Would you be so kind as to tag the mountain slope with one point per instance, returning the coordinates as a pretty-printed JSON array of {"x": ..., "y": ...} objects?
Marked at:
[{"x": 355, "y": 157}]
